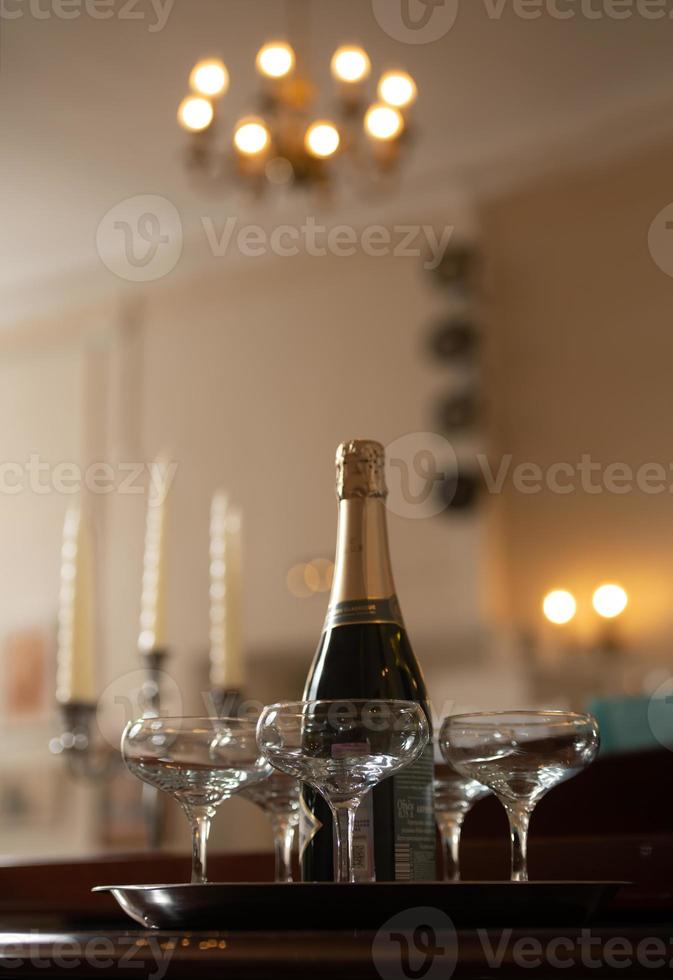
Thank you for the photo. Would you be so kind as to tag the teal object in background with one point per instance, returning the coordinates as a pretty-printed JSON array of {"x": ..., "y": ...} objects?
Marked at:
[{"x": 635, "y": 723}]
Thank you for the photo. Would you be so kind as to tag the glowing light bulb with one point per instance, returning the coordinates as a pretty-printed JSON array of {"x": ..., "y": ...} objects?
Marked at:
[
  {"x": 210, "y": 77},
  {"x": 559, "y": 606},
  {"x": 324, "y": 569},
  {"x": 397, "y": 88},
  {"x": 251, "y": 136},
  {"x": 350, "y": 63},
  {"x": 298, "y": 583},
  {"x": 383, "y": 122},
  {"x": 610, "y": 600},
  {"x": 322, "y": 139},
  {"x": 275, "y": 59},
  {"x": 312, "y": 577},
  {"x": 195, "y": 113}
]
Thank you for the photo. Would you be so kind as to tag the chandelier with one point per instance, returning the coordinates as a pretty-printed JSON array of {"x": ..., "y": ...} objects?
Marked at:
[{"x": 285, "y": 142}]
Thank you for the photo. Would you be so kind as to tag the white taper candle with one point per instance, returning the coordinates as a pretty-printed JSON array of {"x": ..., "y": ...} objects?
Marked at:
[
  {"x": 153, "y": 601},
  {"x": 76, "y": 617},
  {"x": 226, "y": 648}
]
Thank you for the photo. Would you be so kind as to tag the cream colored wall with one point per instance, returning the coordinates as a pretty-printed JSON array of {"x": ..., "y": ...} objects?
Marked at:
[
  {"x": 251, "y": 380},
  {"x": 248, "y": 377},
  {"x": 251, "y": 374},
  {"x": 41, "y": 414},
  {"x": 582, "y": 348}
]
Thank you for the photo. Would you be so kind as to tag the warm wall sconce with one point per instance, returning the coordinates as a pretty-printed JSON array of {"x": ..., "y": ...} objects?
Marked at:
[
  {"x": 610, "y": 600},
  {"x": 559, "y": 606}
]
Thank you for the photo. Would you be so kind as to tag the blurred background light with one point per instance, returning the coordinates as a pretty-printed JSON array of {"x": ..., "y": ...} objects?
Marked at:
[
  {"x": 195, "y": 113},
  {"x": 397, "y": 88},
  {"x": 610, "y": 600},
  {"x": 383, "y": 122},
  {"x": 209, "y": 77},
  {"x": 350, "y": 63},
  {"x": 275, "y": 59},
  {"x": 322, "y": 139},
  {"x": 309, "y": 578},
  {"x": 251, "y": 136},
  {"x": 322, "y": 573},
  {"x": 559, "y": 606}
]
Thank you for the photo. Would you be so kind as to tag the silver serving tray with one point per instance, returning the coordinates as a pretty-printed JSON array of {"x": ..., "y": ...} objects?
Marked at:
[{"x": 327, "y": 906}]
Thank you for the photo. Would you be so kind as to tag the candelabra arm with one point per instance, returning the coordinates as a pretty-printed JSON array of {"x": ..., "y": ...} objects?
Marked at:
[
  {"x": 150, "y": 693},
  {"x": 150, "y": 704},
  {"x": 87, "y": 758},
  {"x": 225, "y": 702}
]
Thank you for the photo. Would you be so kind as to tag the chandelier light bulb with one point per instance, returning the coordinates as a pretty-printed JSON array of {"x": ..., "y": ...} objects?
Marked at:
[
  {"x": 397, "y": 88},
  {"x": 610, "y": 600},
  {"x": 275, "y": 59},
  {"x": 350, "y": 64},
  {"x": 322, "y": 139},
  {"x": 210, "y": 77},
  {"x": 251, "y": 136},
  {"x": 383, "y": 122},
  {"x": 559, "y": 606},
  {"x": 195, "y": 113}
]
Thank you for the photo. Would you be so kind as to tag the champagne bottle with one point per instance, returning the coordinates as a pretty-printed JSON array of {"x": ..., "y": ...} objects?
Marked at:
[{"x": 364, "y": 652}]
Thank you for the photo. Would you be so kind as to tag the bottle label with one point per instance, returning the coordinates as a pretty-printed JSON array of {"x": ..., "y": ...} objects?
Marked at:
[
  {"x": 355, "y": 611},
  {"x": 309, "y": 825},
  {"x": 415, "y": 853},
  {"x": 363, "y": 841},
  {"x": 363, "y": 829}
]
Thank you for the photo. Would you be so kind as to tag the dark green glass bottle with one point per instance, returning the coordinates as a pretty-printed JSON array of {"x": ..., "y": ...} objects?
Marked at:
[{"x": 364, "y": 652}]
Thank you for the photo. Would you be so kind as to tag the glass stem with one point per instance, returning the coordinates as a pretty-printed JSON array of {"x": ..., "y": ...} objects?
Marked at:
[
  {"x": 284, "y": 828},
  {"x": 200, "y": 819},
  {"x": 519, "y": 818},
  {"x": 344, "y": 824},
  {"x": 450, "y": 827}
]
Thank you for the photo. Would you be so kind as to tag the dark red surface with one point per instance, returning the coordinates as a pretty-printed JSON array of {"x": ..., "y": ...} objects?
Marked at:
[
  {"x": 618, "y": 794},
  {"x": 613, "y": 822}
]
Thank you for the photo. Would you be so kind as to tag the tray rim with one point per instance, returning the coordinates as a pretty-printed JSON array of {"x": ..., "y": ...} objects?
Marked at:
[{"x": 366, "y": 884}]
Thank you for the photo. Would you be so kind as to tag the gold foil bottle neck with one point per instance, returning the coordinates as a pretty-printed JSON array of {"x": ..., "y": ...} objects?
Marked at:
[{"x": 360, "y": 469}]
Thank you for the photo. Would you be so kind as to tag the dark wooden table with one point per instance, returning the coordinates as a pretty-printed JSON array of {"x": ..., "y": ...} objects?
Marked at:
[
  {"x": 611, "y": 823},
  {"x": 50, "y": 925},
  {"x": 48, "y": 948}
]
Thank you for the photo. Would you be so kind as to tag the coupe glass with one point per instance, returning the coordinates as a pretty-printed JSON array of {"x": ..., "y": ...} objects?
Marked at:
[
  {"x": 455, "y": 795},
  {"x": 342, "y": 749},
  {"x": 520, "y": 755},
  {"x": 278, "y": 796},
  {"x": 199, "y": 761}
]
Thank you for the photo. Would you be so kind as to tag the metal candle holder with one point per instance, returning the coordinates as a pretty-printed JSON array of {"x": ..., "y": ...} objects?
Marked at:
[
  {"x": 150, "y": 704},
  {"x": 150, "y": 692},
  {"x": 89, "y": 758},
  {"x": 225, "y": 702},
  {"x": 86, "y": 757}
]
